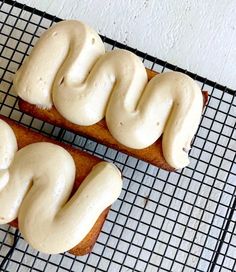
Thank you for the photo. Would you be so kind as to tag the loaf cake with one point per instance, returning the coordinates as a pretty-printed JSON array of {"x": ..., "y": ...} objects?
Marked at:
[
  {"x": 36, "y": 182},
  {"x": 69, "y": 80}
]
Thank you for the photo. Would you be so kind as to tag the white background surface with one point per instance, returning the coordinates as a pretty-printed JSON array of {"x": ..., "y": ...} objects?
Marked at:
[{"x": 198, "y": 35}]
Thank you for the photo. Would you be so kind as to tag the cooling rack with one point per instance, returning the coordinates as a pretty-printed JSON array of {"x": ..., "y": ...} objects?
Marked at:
[{"x": 183, "y": 221}]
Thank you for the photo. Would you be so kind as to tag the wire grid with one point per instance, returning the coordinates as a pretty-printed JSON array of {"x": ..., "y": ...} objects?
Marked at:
[{"x": 183, "y": 221}]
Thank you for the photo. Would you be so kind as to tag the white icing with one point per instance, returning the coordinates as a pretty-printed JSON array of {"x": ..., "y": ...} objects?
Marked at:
[
  {"x": 39, "y": 182},
  {"x": 71, "y": 71},
  {"x": 8, "y": 147}
]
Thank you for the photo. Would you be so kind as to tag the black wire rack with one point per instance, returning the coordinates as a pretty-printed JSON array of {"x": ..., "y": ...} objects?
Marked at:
[{"x": 182, "y": 221}]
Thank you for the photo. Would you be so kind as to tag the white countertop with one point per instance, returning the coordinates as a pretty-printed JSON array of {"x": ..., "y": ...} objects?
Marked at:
[{"x": 198, "y": 35}]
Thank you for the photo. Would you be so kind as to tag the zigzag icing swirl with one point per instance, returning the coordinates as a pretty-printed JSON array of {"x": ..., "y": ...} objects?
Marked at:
[
  {"x": 69, "y": 68},
  {"x": 35, "y": 185}
]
